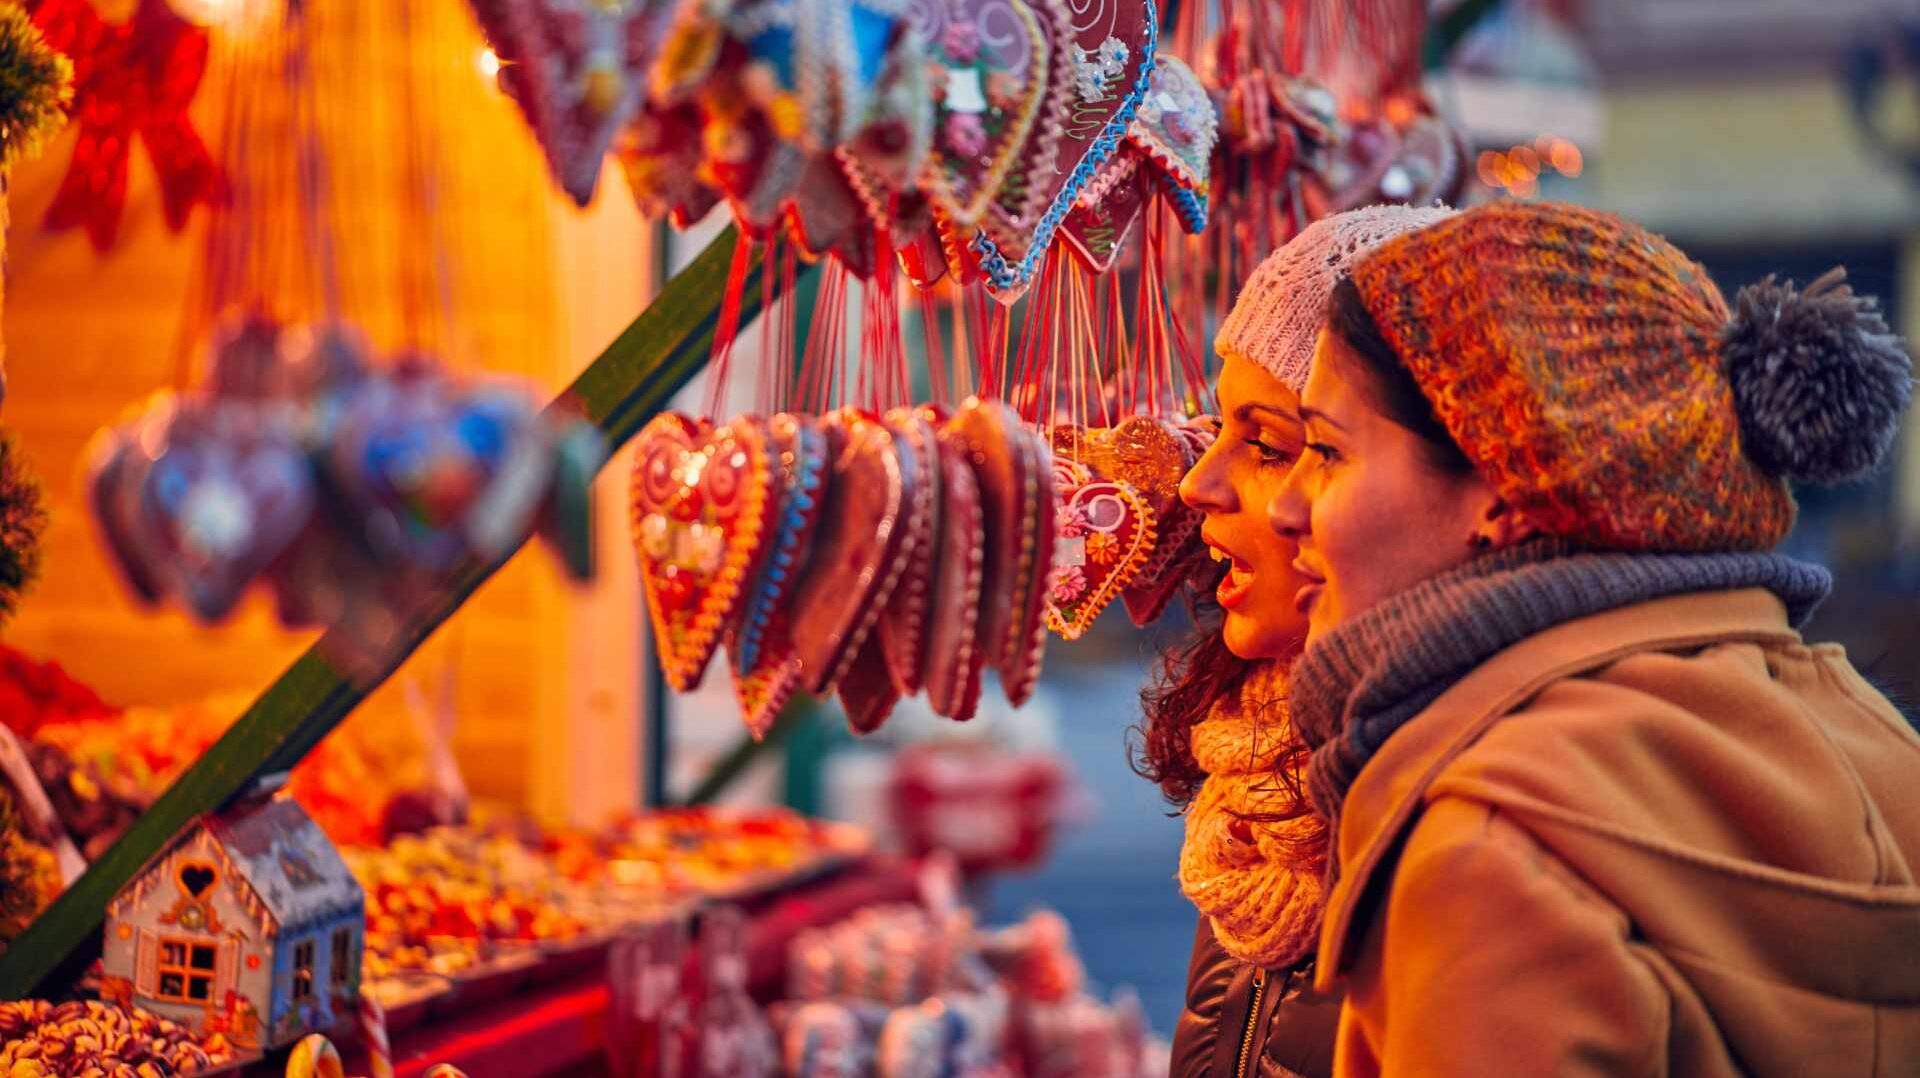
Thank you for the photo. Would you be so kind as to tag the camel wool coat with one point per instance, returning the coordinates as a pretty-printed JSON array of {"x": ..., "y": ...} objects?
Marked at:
[{"x": 1667, "y": 839}]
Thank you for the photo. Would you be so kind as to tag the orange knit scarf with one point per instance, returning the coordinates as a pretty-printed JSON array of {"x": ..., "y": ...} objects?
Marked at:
[{"x": 1263, "y": 910}]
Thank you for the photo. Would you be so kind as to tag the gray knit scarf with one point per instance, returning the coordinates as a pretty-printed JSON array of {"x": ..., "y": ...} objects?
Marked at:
[{"x": 1364, "y": 680}]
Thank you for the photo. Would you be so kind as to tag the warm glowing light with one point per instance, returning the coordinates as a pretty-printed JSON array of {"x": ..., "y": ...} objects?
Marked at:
[
  {"x": 209, "y": 12},
  {"x": 489, "y": 62},
  {"x": 1566, "y": 158},
  {"x": 1518, "y": 170}
]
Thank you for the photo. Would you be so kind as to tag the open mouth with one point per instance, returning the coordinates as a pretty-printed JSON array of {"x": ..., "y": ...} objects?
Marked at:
[{"x": 1237, "y": 584}]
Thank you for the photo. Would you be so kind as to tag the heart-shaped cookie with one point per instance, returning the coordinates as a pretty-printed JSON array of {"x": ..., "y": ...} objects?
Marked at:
[
  {"x": 118, "y": 468},
  {"x": 224, "y": 496},
  {"x": 867, "y": 692},
  {"x": 1097, "y": 229},
  {"x": 1103, "y": 57},
  {"x": 1014, "y": 471},
  {"x": 1179, "y": 545},
  {"x": 764, "y": 689},
  {"x": 660, "y": 152},
  {"x": 577, "y": 68},
  {"x": 902, "y": 633},
  {"x": 435, "y": 471},
  {"x": 857, "y": 548},
  {"x": 1103, "y": 533},
  {"x": 1175, "y": 124},
  {"x": 702, "y": 503},
  {"x": 953, "y": 658},
  {"x": 801, "y": 451},
  {"x": 988, "y": 75}
]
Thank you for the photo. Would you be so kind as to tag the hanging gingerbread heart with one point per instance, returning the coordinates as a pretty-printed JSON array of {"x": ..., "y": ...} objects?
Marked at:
[
  {"x": 660, "y": 152},
  {"x": 857, "y": 550},
  {"x": 826, "y": 216},
  {"x": 576, "y": 68},
  {"x": 436, "y": 471},
  {"x": 764, "y": 689},
  {"x": 801, "y": 452},
  {"x": 118, "y": 468},
  {"x": 867, "y": 692},
  {"x": 953, "y": 658},
  {"x": 1103, "y": 58},
  {"x": 1179, "y": 545},
  {"x": 1015, "y": 476},
  {"x": 988, "y": 75},
  {"x": 888, "y": 149},
  {"x": 1175, "y": 124},
  {"x": 1103, "y": 533},
  {"x": 224, "y": 497},
  {"x": 902, "y": 632},
  {"x": 702, "y": 510},
  {"x": 1097, "y": 229}
]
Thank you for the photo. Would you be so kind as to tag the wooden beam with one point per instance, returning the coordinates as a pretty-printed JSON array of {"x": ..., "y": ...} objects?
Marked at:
[{"x": 630, "y": 382}]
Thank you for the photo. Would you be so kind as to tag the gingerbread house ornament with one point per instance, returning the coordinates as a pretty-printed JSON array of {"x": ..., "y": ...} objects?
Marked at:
[{"x": 250, "y": 926}]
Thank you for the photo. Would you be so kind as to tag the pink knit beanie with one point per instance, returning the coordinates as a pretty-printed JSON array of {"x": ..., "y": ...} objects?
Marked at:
[{"x": 1278, "y": 315}]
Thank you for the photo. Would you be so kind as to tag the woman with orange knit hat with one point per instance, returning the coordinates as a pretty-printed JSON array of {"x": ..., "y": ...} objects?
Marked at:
[
  {"x": 1216, "y": 736},
  {"x": 1596, "y": 806}
]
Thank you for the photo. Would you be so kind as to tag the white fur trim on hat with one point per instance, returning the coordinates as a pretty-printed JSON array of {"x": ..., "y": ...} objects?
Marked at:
[{"x": 1279, "y": 312}]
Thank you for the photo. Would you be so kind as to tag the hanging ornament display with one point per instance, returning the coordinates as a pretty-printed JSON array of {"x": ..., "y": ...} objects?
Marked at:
[
  {"x": 349, "y": 488},
  {"x": 133, "y": 78}
]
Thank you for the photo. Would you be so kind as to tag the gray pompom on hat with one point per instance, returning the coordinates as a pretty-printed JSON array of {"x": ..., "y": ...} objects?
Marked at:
[{"x": 1819, "y": 379}]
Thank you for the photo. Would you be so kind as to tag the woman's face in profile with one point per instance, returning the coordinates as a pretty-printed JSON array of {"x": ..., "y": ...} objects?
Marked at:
[
  {"x": 1260, "y": 438},
  {"x": 1370, "y": 510}
]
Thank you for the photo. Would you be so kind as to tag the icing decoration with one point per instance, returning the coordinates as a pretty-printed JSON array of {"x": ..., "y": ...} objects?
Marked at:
[
  {"x": 1021, "y": 223},
  {"x": 802, "y": 452},
  {"x": 953, "y": 659},
  {"x": 973, "y": 41},
  {"x": 1103, "y": 534},
  {"x": 764, "y": 689},
  {"x": 577, "y": 69},
  {"x": 702, "y": 510},
  {"x": 902, "y": 632},
  {"x": 859, "y": 549}
]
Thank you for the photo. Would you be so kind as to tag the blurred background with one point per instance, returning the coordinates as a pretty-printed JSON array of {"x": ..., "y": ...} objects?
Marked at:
[{"x": 1762, "y": 136}]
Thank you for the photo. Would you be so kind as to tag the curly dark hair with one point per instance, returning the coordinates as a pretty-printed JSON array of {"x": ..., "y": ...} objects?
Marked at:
[{"x": 1193, "y": 672}]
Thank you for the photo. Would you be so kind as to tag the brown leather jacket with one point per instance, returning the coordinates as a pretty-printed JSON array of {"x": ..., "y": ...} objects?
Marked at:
[{"x": 1245, "y": 1021}]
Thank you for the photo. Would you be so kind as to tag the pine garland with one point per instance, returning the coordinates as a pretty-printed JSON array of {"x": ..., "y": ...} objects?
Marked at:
[
  {"x": 36, "y": 84},
  {"x": 22, "y": 520}
]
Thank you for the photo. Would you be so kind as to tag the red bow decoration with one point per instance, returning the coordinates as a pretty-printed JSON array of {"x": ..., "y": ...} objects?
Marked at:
[{"x": 136, "y": 77}]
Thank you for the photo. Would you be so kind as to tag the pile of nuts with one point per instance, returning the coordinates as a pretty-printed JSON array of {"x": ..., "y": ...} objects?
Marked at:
[{"x": 89, "y": 1039}]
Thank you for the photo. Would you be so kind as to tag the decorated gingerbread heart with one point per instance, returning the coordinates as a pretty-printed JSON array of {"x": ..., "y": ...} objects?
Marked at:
[
  {"x": 435, "y": 471},
  {"x": 902, "y": 632},
  {"x": 867, "y": 692},
  {"x": 857, "y": 550},
  {"x": 888, "y": 148},
  {"x": 953, "y": 657},
  {"x": 1015, "y": 476},
  {"x": 702, "y": 504},
  {"x": 1179, "y": 546},
  {"x": 988, "y": 74},
  {"x": 801, "y": 452},
  {"x": 660, "y": 152},
  {"x": 1103, "y": 56},
  {"x": 1103, "y": 533},
  {"x": 764, "y": 689},
  {"x": 1175, "y": 124},
  {"x": 1098, "y": 227},
  {"x": 224, "y": 496},
  {"x": 577, "y": 69}
]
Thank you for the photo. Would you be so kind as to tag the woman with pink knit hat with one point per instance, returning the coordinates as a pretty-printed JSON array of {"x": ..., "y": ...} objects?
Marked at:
[
  {"x": 1217, "y": 737},
  {"x": 1595, "y": 806}
]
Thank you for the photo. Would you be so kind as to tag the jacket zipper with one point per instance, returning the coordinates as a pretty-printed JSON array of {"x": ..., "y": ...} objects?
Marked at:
[{"x": 1253, "y": 1016}]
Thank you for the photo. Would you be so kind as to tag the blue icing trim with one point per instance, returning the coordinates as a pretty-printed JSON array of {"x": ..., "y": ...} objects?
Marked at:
[
  {"x": 871, "y": 32},
  {"x": 994, "y": 266},
  {"x": 1191, "y": 207},
  {"x": 753, "y": 627}
]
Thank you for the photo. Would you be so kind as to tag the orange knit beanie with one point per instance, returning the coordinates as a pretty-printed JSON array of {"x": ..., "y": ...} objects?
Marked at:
[{"x": 1596, "y": 378}]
